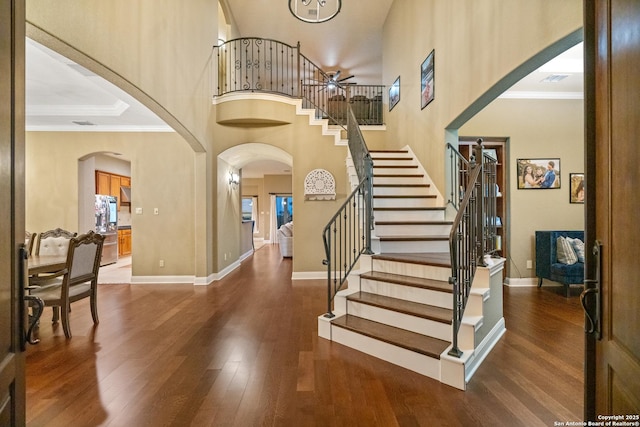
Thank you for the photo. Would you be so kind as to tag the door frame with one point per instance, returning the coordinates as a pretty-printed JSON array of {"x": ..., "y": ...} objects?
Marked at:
[{"x": 12, "y": 202}]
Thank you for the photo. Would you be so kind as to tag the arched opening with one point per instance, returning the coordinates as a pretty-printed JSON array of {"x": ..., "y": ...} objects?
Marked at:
[{"x": 265, "y": 173}]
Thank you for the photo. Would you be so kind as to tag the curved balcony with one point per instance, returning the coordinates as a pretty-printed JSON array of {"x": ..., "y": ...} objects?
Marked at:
[{"x": 257, "y": 65}]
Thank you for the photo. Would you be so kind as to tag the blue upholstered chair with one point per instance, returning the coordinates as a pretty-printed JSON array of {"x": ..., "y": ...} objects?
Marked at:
[{"x": 547, "y": 265}]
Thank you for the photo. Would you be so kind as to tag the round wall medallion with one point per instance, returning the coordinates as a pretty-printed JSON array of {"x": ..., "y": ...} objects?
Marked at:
[{"x": 319, "y": 185}]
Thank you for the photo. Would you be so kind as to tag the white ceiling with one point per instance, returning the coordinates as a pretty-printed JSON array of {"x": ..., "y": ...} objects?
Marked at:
[{"x": 63, "y": 96}]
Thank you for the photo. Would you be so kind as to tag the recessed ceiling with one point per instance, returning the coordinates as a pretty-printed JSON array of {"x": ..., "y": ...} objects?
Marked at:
[
  {"x": 560, "y": 78},
  {"x": 64, "y": 96}
]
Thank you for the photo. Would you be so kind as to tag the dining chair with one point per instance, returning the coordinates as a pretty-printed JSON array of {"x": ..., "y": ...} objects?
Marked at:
[
  {"x": 29, "y": 240},
  {"x": 54, "y": 242},
  {"x": 77, "y": 281}
]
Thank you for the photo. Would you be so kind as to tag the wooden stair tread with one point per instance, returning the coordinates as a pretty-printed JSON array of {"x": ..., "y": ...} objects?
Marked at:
[
  {"x": 389, "y": 151},
  {"x": 413, "y": 222},
  {"x": 405, "y": 196},
  {"x": 402, "y": 159},
  {"x": 437, "y": 259},
  {"x": 425, "y": 311},
  {"x": 417, "y": 208},
  {"x": 415, "y": 282},
  {"x": 401, "y": 238},
  {"x": 396, "y": 166},
  {"x": 412, "y": 341},
  {"x": 403, "y": 185},
  {"x": 396, "y": 175}
]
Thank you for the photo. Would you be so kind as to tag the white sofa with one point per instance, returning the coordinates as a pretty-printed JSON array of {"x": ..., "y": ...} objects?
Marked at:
[{"x": 285, "y": 239}]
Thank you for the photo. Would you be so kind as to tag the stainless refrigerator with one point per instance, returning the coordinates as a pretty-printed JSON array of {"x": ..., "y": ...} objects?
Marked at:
[{"x": 107, "y": 224}]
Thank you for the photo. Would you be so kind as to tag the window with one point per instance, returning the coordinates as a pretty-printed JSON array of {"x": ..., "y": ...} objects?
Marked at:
[
  {"x": 250, "y": 211},
  {"x": 284, "y": 209}
]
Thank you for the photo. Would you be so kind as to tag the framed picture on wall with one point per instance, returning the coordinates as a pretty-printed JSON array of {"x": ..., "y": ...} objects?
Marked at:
[
  {"x": 576, "y": 188},
  {"x": 427, "y": 80},
  {"x": 394, "y": 94},
  {"x": 538, "y": 173}
]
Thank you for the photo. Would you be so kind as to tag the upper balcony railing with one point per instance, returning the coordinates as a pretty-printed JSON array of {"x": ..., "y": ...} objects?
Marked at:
[{"x": 265, "y": 65}]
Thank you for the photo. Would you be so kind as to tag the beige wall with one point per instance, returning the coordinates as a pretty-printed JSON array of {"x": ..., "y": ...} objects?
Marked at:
[
  {"x": 536, "y": 129},
  {"x": 161, "y": 54},
  {"x": 228, "y": 217},
  {"x": 476, "y": 44},
  {"x": 163, "y": 175},
  {"x": 310, "y": 150}
]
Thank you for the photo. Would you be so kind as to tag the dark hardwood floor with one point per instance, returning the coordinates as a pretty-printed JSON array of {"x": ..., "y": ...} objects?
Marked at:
[{"x": 244, "y": 351}]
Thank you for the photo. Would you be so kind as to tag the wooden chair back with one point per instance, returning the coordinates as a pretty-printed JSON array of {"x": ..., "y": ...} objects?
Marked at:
[
  {"x": 29, "y": 240},
  {"x": 54, "y": 242}
]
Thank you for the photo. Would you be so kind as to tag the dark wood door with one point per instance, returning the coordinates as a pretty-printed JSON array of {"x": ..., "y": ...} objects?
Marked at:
[
  {"x": 612, "y": 40},
  {"x": 12, "y": 390}
]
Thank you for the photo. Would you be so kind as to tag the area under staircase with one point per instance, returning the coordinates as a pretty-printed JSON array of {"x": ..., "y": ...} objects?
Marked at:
[{"x": 398, "y": 306}]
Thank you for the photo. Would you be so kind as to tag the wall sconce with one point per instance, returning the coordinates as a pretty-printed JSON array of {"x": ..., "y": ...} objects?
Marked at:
[{"x": 234, "y": 178}]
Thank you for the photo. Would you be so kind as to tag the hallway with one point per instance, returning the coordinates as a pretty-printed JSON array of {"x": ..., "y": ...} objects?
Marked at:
[{"x": 244, "y": 351}]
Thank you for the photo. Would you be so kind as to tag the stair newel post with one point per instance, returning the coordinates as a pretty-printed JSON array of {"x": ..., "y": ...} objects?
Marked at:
[
  {"x": 455, "y": 351},
  {"x": 480, "y": 214},
  {"x": 327, "y": 246}
]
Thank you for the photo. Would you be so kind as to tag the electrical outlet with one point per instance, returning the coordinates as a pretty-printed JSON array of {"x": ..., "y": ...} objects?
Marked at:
[
  {"x": 529, "y": 264},
  {"x": 156, "y": 211},
  {"x": 161, "y": 263}
]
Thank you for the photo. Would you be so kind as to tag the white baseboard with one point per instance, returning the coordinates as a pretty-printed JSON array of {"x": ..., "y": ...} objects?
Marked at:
[
  {"x": 203, "y": 281},
  {"x": 522, "y": 282},
  {"x": 308, "y": 275},
  {"x": 161, "y": 280},
  {"x": 246, "y": 255}
]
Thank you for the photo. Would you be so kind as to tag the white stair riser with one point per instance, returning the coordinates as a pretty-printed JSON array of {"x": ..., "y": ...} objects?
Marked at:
[
  {"x": 415, "y": 270},
  {"x": 475, "y": 305},
  {"x": 409, "y": 202},
  {"x": 398, "y": 180},
  {"x": 412, "y": 229},
  {"x": 398, "y": 247},
  {"x": 400, "y": 191},
  {"x": 411, "y": 360},
  {"x": 395, "y": 171},
  {"x": 466, "y": 336},
  {"x": 375, "y": 156},
  {"x": 417, "y": 215},
  {"x": 408, "y": 293},
  {"x": 400, "y": 320},
  {"x": 399, "y": 161}
]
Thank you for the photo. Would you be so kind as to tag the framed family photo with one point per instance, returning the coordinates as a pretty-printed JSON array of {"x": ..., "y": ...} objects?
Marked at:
[
  {"x": 426, "y": 79},
  {"x": 394, "y": 94},
  {"x": 576, "y": 188},
  {"x": 538, "y": 173}
]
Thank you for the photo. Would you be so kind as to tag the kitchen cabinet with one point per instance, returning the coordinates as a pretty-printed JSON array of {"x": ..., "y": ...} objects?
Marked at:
[
  {"x": 124, "y": 242},
  {"x": 115, "y": 188},
  {"x": 110, "y": 183},
  {"x": 103, "y": 183}
]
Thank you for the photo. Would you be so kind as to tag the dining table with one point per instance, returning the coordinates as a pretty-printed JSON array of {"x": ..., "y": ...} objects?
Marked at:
[{"x": 39, "y": 264}]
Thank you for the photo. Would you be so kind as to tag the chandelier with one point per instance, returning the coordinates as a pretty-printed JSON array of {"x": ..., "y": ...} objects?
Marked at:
[{"x": 315, "y": 11}]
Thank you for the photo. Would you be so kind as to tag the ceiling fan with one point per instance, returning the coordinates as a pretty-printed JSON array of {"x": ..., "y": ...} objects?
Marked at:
[{"x": 335, "y": 80}]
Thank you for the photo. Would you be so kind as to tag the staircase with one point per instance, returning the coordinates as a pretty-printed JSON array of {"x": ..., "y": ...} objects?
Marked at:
[{"x": 398, "y": 307}]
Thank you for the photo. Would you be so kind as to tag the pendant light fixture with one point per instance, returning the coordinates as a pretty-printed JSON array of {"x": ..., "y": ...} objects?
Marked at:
[{"x": 315, "y": 11}]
